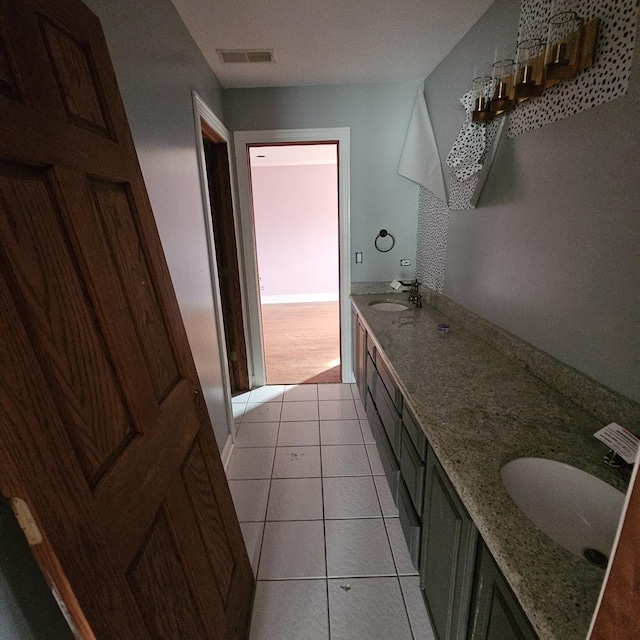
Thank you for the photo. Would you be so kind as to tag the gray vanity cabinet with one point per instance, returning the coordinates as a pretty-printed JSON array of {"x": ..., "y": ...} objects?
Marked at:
[
  {"x": 496, "y": 614},
  {"x": 449, "y": 540}
]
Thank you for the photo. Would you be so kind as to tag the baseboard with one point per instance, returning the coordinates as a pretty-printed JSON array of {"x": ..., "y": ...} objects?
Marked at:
[
  {"x": 301, "y": 297},
  {"x": 227, "y": 450}
]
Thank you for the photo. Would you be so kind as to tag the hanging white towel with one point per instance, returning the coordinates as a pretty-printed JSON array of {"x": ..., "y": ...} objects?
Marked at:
[{"x": 420, "y": 161}]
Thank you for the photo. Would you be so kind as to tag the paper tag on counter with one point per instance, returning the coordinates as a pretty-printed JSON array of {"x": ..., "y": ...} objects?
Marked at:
[
  {"x": 395, "y": 285},
  {"x": 623, "y": 442}
]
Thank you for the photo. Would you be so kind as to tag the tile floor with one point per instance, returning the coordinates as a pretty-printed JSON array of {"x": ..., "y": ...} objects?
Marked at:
[{"x": 318, "y": 519}]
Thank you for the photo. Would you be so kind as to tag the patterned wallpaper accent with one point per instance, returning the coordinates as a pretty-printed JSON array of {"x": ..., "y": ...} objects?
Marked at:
[
  {"x": 431, "y": 252},
  {"x": 607, "y": 79}
]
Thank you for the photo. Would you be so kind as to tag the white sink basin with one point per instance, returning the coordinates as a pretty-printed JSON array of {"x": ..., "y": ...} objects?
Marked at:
[
  {"x": 577, "y": 510},
  {"x": 388, "y": 306}
]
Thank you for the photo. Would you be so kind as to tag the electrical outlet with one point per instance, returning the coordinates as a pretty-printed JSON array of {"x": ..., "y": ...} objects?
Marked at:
[{"x": 405, "y": 263}]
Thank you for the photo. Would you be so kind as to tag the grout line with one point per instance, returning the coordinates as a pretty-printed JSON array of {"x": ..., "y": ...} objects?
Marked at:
[
  {"x": 324, "y": 536},
  {"x": 264, "y": 525}
]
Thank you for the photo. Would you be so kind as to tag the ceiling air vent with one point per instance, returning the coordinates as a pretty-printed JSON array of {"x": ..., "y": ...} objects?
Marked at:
[{"x": 245, "y": 55}]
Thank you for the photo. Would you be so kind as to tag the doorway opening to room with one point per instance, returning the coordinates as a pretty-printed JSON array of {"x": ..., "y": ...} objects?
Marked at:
[{"x": 294, "y": 190}]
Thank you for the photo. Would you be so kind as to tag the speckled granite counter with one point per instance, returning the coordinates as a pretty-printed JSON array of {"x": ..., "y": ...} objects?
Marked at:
[{"x": 479, "y": 410}]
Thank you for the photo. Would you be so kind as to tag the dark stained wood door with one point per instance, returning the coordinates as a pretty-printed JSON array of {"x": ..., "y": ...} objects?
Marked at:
[
  {"x": 219, "y": 181},
  {"x": 104, "y": 434}
]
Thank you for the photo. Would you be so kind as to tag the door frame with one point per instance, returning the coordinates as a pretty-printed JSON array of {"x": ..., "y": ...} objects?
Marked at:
[
  {"x": 202, "y": 112},
  {"x": 242, "y": 141}
]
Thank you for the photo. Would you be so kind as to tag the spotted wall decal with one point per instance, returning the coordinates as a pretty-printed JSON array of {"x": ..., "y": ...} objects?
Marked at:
[
  {"x": 465, "y": 156},
  {"x": 607, "y": 79},
  {"x": 465, "y": 187},
  {"x": 433, "y": 221}
]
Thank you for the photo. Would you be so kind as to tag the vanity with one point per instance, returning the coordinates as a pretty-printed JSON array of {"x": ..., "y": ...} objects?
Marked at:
[{"x": 448, "y": 411}]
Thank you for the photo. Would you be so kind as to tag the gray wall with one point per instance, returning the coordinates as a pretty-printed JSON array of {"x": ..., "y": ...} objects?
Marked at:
[
  {"x": 552, "y": 253},
  {"x": 157, "y": 65},
  {"x": 378, "y": 115}
]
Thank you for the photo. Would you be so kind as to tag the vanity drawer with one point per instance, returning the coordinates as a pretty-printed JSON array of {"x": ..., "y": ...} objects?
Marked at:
[
  {"x": 387, "y": 379},
  {"x": 412, "y": 469},
  {"x": 388, "y": 415},
  {"x": 371, "y": 348},
  {"x": 370, "y": 376},
  {"x": 388, "y": 458},
  {"x": 415, "y": 432},
  {"x": 410, "y": 522}
]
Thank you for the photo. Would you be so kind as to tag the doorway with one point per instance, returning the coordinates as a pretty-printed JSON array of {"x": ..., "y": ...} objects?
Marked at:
[
  {"x": 294, "y": 190},
  {"x": 244, "y": 141}
]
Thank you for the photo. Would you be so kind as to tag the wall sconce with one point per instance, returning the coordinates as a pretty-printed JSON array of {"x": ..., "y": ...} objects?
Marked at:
[
  {"x": 529, "y": 69},
  {"x": 564, "y": 44},
  {"x": 570, "y": 48},
  {"x": 482, "y": 93},
  {"x": 503, "y": 96}
]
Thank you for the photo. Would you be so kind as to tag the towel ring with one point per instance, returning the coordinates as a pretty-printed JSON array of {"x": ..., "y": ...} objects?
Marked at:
[{"x": 383, "y": 234}]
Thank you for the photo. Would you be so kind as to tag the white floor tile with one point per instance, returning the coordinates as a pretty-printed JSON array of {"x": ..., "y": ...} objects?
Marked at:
[
  {"x": 404, "y": 564},
  {"x": 340, "y": 432},
  {"x": 334, "y": 392},
  {"x": 358, "y": 548},
  {"x": 247, "y": 464},
  {"x": 298, "y": 392},
  {"x": 297, "y": 462},
  {"x": 290, "y": 610},
  {"x": 355, "y": 392},
  {"x": 374, "y": 459},
  {"x": 360, "y": 410},
  {"x": 389, "y": 509},
  {"x": 295, "y": 499},
  {"x": 345, "y": 460},
  {"x": 367, "y": 609},
  {"x": 250, "y": 499},
  {"x": 268, "y": 393},
  {"x": 257, "y": 434},
  {"x": 338, "y": 410},
  {"x": 241, "y": 398},
  {"x": 366, "y": 432},
  {"x": 294, "y": 434},
  {"x": 299, "y": 411},
  {"x": 292, "y": 550},
  {"x": 418, "y": 617},
  {"x": 238, "y": 409},
  {"x": 350, "y": 498},
  {"x": 252, "y": 535},
  {"x": 262, "y": 412}
]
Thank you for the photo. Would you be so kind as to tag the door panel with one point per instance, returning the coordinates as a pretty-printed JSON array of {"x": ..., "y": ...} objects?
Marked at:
[{"x": 105, "y": 433}]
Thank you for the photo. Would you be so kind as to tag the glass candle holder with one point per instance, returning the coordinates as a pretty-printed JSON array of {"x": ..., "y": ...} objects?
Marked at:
[
  {"x": 503, "y": 93},
  {"x": 563, "y": 46},
  {"x": 482, "y": 92},
  {"x": 529, "y": 80}
]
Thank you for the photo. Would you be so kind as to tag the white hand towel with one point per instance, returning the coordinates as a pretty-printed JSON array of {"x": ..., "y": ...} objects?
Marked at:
[{"x": 420, "y": 161}]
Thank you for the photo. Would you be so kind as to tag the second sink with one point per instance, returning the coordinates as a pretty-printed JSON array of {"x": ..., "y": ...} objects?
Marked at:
[{"x": 577, "y": 510}]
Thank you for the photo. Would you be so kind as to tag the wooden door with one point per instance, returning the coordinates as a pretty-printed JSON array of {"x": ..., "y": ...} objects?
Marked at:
[
  {"x": 104, "y": 435},
  {"x": 224, "y": 231}
]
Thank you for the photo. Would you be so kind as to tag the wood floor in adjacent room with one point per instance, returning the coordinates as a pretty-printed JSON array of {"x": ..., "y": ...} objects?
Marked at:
[{"x": 302, "y": 342}]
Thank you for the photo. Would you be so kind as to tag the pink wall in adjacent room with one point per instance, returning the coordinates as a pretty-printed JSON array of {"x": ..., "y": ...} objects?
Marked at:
[{"x": 296, "y": 221}]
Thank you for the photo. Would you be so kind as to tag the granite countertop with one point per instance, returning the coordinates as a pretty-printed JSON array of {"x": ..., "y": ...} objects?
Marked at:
[{"x": 479, "y": 410}]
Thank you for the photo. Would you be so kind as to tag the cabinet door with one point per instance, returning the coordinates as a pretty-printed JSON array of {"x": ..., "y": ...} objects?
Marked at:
[
  {"x": 448, "y": 552},
  {"x": 359, "y": 355},
  {"x": 496, "y": 612}
]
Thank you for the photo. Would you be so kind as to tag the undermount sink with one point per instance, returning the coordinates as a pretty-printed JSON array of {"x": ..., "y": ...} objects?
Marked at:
[
  {"x": 577, "y": 510},
  {"x": 388, "y": 306}
]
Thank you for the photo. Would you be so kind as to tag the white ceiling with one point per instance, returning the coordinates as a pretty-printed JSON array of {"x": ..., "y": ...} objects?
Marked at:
[{"x": 324, "y": 42}]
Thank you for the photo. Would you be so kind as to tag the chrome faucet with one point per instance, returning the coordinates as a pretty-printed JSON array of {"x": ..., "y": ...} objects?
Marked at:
[{"x": 414, "y": 296}]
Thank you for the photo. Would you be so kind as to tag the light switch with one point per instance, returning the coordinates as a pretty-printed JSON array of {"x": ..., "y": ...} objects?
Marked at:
[{"x": 358, "y": 257}]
